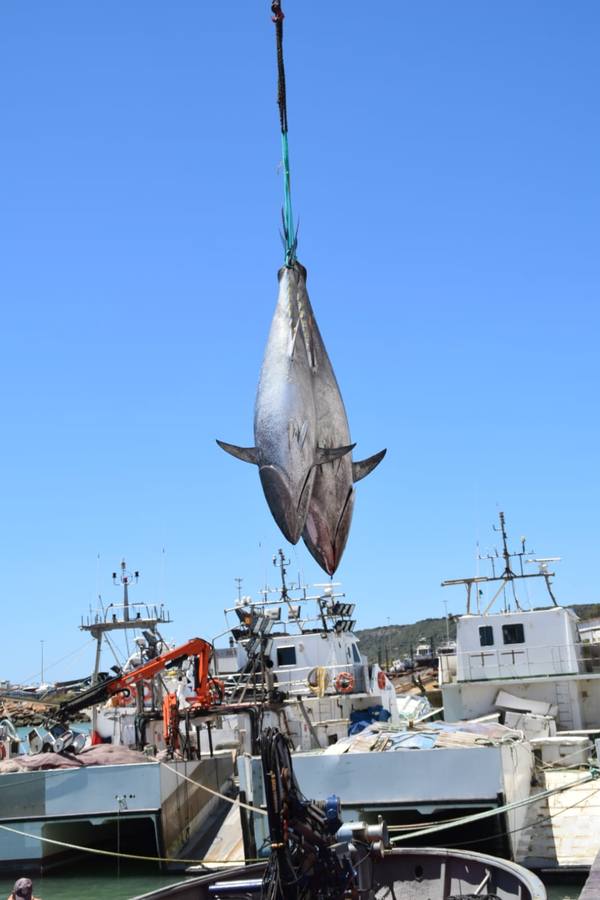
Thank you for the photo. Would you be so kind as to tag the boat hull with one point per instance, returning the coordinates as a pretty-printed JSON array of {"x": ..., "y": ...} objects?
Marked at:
[{"x": 47, "y": 817}]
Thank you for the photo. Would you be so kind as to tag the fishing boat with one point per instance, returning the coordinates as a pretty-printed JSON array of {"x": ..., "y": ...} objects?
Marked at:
[
  {"x": 298, "y": 663},
  {"x": 124, "y": 789},
  {"x": 424, "y": 655}
]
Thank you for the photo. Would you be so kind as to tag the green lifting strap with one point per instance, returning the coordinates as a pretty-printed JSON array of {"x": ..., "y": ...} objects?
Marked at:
[{"x": 290, "y": 237}]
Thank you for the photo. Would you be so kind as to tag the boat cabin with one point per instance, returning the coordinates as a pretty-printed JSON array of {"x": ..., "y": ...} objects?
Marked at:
[
  {"x": 520, "y": 644},
  {"x": 297, "y": 659}
]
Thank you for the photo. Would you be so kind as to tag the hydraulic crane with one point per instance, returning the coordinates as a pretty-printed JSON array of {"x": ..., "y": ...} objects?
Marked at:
[{"x": 207, "y": 691}]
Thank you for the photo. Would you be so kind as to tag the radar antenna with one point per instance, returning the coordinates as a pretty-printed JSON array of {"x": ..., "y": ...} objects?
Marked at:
[{"x": 544, "y": 571}]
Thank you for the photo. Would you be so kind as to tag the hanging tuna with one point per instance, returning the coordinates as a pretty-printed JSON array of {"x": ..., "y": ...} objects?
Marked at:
[
  {"x": 302, "y": 439},
  {"x": 286, "y": 449}
]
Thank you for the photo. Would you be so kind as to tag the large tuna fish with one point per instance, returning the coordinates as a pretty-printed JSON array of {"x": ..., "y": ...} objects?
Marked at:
[
  {"x": 286, "y": 449},
  {"x": 332, "y": 501}
]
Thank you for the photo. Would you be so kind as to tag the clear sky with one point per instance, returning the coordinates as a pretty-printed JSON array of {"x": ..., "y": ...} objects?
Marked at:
[{"x": 445, "y": 167}]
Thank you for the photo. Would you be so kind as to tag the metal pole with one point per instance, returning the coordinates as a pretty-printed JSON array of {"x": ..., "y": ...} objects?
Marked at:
[
  {"x": 42, "y": 674},
  {"x": 125, "y": 594}
]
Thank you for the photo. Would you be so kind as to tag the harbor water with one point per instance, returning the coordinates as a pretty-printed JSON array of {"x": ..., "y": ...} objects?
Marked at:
[{"x": 94, "y": 882}]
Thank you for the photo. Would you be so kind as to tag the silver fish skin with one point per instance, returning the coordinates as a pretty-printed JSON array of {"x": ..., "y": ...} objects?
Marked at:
[
  {"x": 332, "y": 501},
  {"x": 285, "y": 418}
]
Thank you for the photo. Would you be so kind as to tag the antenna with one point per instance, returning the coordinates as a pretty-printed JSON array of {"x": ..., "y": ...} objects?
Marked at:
[
  {"x": 125, "y": 578},
  {"x": 238, "y": 582},
  {"x": 281, "y": 562}
]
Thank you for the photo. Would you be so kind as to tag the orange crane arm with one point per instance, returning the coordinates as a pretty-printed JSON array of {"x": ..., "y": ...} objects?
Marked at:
[
  {"x": 194, "y": 647},
  {"x": 197, "y": 647}
]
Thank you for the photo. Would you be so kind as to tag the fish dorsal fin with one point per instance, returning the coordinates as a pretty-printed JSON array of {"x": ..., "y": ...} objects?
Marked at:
[
  {"x": 364, "y": 467},
  {"x": 246, "y": 454},
  {"x": 329, "y": 454}
]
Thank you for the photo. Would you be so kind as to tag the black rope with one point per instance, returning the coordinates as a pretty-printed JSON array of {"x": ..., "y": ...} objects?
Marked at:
[{"x": 278, "y": 18}]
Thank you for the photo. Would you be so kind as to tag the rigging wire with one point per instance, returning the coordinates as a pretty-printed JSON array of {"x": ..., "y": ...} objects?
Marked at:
[
  {"x": 57, "y": 662},
  {"x": 476, "y": 817},
  {"x": 137, "y": 856},
  {"x": 116, "y": 655},
  {"x": 542, "y": 821}
]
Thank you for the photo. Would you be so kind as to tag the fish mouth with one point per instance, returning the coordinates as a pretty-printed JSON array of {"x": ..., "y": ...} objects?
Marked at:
[
  {"x": 325, "y": 544},
  {"x": 289, "y": 514}
]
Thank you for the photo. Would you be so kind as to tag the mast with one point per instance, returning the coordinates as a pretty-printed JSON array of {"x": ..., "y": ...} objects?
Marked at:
[
  {"x": 508, "y": 575},
  {"x": 122, "y": 617}
]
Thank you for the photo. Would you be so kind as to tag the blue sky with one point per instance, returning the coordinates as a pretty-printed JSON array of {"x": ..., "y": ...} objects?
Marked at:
[{"x": 445, "y": 175}]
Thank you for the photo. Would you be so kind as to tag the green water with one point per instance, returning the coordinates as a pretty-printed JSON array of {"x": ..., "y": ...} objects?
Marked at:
[
  {"x": 564, "y": 891},
  {"x": 97, "y": 882}
]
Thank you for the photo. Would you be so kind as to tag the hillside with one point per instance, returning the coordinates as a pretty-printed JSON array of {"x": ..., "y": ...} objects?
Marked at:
[{"x": 388, "y": 642}]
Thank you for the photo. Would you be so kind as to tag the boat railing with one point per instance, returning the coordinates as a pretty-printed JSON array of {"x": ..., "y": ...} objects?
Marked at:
[
  {"x": 130, "y": 613},
  {"x": 520, "y": 661}
]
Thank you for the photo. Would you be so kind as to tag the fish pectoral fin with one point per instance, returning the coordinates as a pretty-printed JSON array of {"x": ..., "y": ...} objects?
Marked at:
[
  {"x": 246, "y": 454},
  {"x": 364, "y": 467},
  {"x": 329, "y": 454}
]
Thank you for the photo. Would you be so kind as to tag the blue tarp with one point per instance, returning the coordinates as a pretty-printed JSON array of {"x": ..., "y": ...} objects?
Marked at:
[{"x": 360, "y": 718}]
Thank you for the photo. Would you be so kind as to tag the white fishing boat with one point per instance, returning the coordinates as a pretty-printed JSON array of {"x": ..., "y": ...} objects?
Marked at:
[
  {"x": 298, "y": 665},
  {"x": 424, "y": 654}
]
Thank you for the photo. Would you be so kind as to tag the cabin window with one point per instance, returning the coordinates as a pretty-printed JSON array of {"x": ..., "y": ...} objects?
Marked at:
[
  {"x": 486, "y": 636},
  {"x": 286, "y": 656},
  {"x": 513, "y": 634},
  {"x": 355, "y": 653}
]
